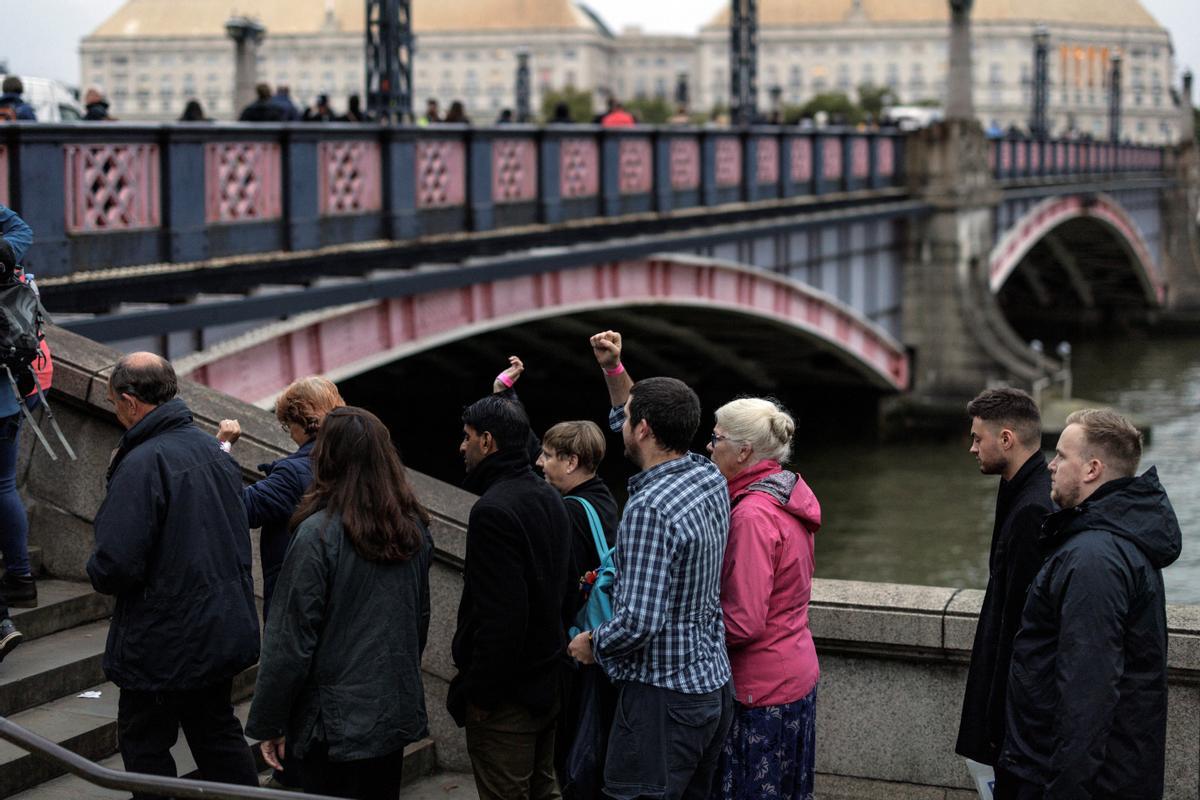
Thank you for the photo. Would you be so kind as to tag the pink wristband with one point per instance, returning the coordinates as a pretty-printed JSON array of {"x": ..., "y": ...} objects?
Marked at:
[
  {"x": 503, "y": 378},
  {"x": 615, "y": 371}
]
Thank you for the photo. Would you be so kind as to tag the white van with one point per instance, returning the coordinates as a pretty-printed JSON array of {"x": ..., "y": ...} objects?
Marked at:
[{"x": 52, "y": 101}]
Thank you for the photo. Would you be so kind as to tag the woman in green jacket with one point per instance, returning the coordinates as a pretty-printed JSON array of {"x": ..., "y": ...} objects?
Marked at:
[{"x": 339, "y": 684}]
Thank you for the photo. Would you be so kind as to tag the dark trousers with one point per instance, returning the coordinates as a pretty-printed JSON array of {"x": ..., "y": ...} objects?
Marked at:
[
  {"x": 666, "y": 744},
  {"x": 1009, "y": 787},
  {"x": 148, "y": 725},
  {"x": 365, "y": 779},
  {"x": 512, "y": 753}
]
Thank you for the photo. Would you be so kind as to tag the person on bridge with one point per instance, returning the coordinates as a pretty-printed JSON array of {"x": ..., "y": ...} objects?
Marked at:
[
  {"x": 1006, "y": 438},
  {"x": 262, "y": 109},
  {"x": 766, "y": 584},
  {"x": 665, "y": 644},
  {"x": 509, "y": 641},
  {"x": 1087, "y": 689},
  {"x": 12, "y": 106},
  {"x": 339, "y": 687},
  {"x": 172, "y": 544}
]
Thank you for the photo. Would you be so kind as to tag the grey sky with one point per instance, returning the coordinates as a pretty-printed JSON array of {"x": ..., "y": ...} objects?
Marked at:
[{"x": 41, "y": 37}]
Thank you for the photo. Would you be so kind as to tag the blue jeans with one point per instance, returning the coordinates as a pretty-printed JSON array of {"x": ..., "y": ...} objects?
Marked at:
[{"x": 14, "y": 525}]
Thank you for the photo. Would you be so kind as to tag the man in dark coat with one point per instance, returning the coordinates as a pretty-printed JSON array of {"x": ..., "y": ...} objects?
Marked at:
[
  {"x": 1087, "y": 690},
  {"x": 262, "y": 109},
  {"x": 1006, "y": 434},
  {"x": 510, "y": 640},
  {"x": 172, "y": 544}
]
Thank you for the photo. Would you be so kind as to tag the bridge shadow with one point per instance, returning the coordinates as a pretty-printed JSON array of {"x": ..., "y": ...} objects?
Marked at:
[
  {"x": 720, "y": 354},
  {"x": 1081, "y": 278}
]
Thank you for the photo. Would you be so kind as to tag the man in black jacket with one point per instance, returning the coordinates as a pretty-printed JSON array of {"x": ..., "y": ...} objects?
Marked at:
[
  {"x": 510, "y": 640},
  {"x": 1087, "y": 690},
  {"x": 1006, "y": 434},
  {"x": 172, "y": 544}
]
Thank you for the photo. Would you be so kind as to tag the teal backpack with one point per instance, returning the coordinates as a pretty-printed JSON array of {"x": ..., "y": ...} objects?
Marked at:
[{"x": 599, "y": 605}]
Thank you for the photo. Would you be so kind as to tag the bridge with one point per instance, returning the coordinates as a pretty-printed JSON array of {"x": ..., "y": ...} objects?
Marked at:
[{"x": 256, "y": 253}]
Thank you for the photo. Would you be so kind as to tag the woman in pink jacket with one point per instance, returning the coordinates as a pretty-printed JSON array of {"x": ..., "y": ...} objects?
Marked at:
[{"x": 766, "y": 582}]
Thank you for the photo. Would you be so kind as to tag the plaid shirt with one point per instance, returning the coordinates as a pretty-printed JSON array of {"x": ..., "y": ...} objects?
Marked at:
[{"x": 667, "y": 630}]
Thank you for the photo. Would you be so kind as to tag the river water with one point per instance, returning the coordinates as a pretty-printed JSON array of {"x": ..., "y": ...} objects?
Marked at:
[{"x": 922, "y": 513}]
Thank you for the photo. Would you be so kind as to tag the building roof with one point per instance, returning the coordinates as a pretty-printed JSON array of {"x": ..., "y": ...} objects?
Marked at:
[
  {"x": 793, "y": 13},
  {"x": 179, "y": 18}
]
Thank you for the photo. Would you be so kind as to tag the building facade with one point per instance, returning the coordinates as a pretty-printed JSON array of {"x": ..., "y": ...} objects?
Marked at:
[
  {"x": 151, "y": 56},
  {"x": 838, "y": 45}
]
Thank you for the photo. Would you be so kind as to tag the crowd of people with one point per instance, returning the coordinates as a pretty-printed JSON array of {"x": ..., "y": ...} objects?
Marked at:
[{"x": 662, "y": 650}]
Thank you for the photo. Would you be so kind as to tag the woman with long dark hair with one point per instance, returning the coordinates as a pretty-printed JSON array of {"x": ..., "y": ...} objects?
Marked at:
[{"x": 339, "y": 684}]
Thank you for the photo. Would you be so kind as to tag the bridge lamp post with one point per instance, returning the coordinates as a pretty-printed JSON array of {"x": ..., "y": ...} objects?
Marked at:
[
  {"x": 246, "y": 34},
  {"x": 1188, "y": 129},
  {"x": 743, "y": 61},
  {"x": 1041, "y": 82},
  {"x": 1114, "y": 100},
  {"x": 523, "y": 105}
]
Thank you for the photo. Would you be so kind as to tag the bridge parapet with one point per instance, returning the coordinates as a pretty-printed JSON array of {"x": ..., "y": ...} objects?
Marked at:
[
  {"x": 1013, "y": 158},
  {"x": 124, "y": 195}
]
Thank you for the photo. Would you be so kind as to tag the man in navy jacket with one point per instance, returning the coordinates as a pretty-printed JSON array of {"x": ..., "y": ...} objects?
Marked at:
[{"x": 172, "y": 544}]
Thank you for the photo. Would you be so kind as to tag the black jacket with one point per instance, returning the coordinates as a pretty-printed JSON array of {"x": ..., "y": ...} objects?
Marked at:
[
  {"x": 1021, "y": 505},
  {"x": 1087, "y": 692},
  {"x": 270, "y": 504},
  {"x": 173, "y": 545},
  {"x": 510, "y": 639},
  {"x": 583, "y": 546},
  {"x": 261, "y": 111},
  {"x": 341, "y": 662}
]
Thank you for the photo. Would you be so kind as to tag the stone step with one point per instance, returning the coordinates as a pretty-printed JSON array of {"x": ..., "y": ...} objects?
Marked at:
[
  {"x": 50, "y": 667},
  {"x": 62, "y": 605},
  {"x": 85, "y": 725},
  {"x": 420, "y": 760},
  {"x": 70, "y": 787}
]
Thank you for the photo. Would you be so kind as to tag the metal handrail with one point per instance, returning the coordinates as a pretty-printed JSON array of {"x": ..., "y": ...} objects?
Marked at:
[{"x": 93, "y": 773}]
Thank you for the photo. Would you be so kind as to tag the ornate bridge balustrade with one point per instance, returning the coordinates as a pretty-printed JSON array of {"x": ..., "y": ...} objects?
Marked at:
[
  {"x": 128, "y": 195},
  {"x": 1018, "y": 158}
]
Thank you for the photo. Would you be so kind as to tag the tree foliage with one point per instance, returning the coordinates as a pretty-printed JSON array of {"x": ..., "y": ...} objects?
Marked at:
[
  {"x": 840, "y": 109},
  {"x": 650, "y": 110},
  {"x": 874, "y": 99},
  {"x": 579, "y": 102}
]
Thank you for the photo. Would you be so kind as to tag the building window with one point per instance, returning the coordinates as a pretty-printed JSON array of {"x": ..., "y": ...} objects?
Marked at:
[
  {"x": 996, "y": 74},
  {"x": 569, "y": 54},
  {"x": 843, "y": 79},
  {"x": 893, "y": 76},
  {"x": 98, "y": 61}
]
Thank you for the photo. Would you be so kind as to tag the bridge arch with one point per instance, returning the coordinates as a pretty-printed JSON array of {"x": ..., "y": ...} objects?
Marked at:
[
  {"x": 351, "y": 340},
  {"x": 1100, "y": 213}
]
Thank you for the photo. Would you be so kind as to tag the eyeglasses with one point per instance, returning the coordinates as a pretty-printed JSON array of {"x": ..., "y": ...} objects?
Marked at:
[{"x": 717, "y": 438}]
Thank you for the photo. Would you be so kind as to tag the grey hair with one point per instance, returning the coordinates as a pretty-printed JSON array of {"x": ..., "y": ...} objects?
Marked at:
[{"x": 761, "y": 422}]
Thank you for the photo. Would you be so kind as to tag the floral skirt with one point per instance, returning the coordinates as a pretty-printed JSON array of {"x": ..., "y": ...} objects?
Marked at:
[{"x": 769, "y": 753}]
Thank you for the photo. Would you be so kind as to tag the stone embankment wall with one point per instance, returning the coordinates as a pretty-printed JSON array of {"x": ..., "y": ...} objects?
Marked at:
[{"x": 893, "y": 658}]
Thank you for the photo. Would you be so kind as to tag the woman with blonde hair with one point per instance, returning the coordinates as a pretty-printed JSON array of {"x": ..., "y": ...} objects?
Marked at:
[
  {"x": 270, "y": 503},
  {"x": 766, "y": 583}
]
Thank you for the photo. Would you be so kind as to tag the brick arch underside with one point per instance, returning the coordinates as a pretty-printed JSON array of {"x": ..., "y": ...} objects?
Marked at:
[
  {"x": 344, "y": 342},
  {"x": 1054, "y": 212}
]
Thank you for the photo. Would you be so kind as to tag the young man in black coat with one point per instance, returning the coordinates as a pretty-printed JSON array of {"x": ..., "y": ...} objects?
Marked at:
[
  {"x": 173, "y": 545},
  {"x": 1087, "y": 689},
  {"x": 509, "y": 643},
  {"x": 1006, "y": 436}
]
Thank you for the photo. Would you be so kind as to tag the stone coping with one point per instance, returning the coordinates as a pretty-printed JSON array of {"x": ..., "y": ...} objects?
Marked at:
[{"x": 896, "y": 619}]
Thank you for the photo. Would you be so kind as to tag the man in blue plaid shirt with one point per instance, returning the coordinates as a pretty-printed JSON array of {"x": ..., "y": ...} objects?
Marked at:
[{"x": 664, "y": 648}]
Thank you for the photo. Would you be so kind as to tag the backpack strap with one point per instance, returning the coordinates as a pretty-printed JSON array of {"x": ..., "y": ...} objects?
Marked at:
[
  {"x": 49, "y": 411},
  {"x": 28, "y": 416},
  {"x": 602, "y": 548}
]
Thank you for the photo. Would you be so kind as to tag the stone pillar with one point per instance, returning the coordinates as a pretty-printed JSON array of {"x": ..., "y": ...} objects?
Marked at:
[
  {"x": 960, "y": 103},
  {"x": 1038, "y": 125},
  {"x": 959, "y": 339},
  {"x": 246, "y": 34},
  {"x": 524, "y": 113},
  {"x": 1187, "y": 127},
  {"x": 1180, "y": 209}
]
